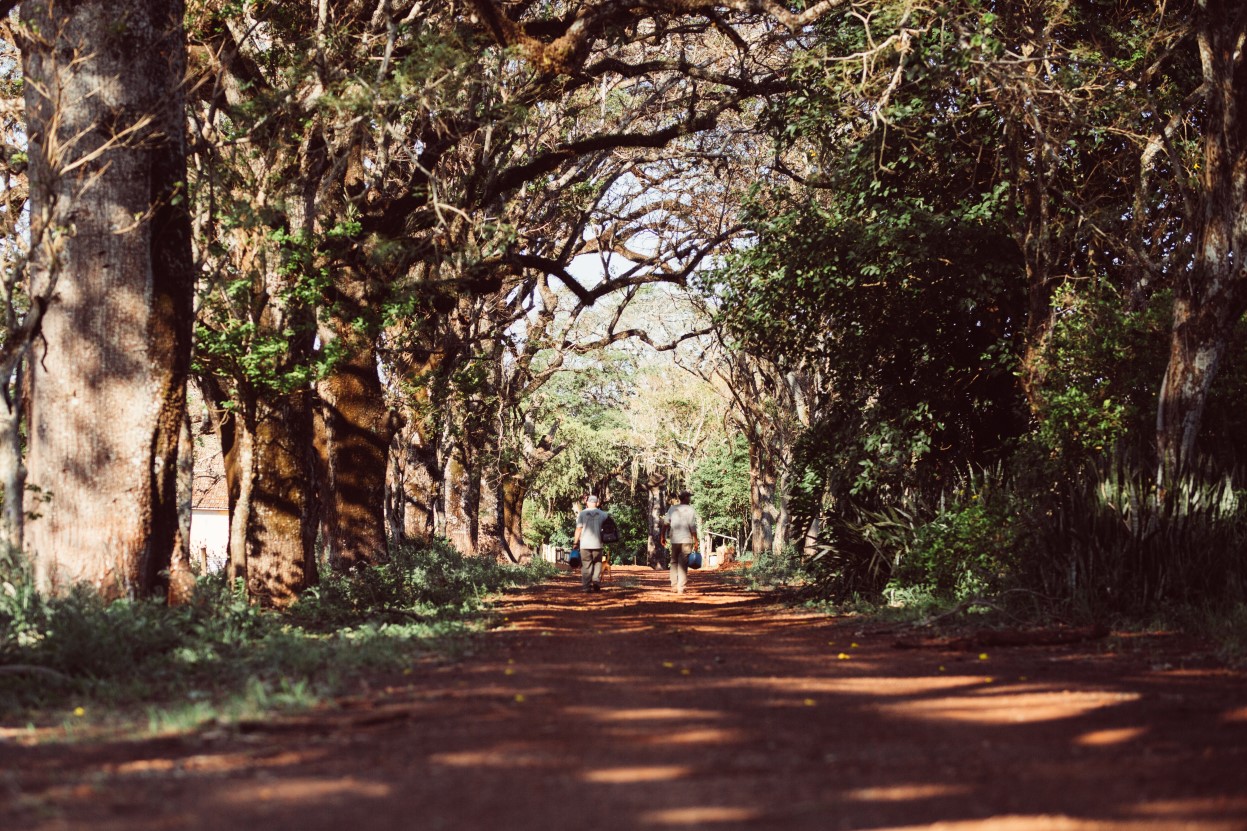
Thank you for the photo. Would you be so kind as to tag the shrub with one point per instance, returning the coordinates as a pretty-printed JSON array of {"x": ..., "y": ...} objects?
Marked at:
[
  {"x": 1108, "y": 541},
  {"x": 221, "y": 653}
]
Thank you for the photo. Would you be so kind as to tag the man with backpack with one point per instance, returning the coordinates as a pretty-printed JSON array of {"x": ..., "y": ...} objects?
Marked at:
[
  {"x": 680, "y": 527},
  {"x": 590, "y": 536}
]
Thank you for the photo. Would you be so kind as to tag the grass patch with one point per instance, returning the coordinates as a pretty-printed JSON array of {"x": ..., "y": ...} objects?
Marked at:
[{"x": 80, "y": 662}]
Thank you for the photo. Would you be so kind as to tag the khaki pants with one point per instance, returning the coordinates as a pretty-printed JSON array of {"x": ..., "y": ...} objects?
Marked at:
[
  {"x": 679, "y": 565},
  {"x": 590, "y": 566}
]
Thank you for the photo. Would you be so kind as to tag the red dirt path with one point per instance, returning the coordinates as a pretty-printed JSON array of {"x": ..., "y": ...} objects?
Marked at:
[{"x": 633, "y": 708}]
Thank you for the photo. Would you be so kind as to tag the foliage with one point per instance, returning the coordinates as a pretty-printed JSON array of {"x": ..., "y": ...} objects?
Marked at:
[
  {"x": 1108, "y": 542},
  {"x": 902, "y": 294},
  {"x": 422, "y": 583},
  {"x": 720, "y": 486},
  {"x": 1094, "y": 378},
  {"x": 223, "y": 652},
  {"x": 968, "y": 546},
  {"x": 782, "y": 569}
]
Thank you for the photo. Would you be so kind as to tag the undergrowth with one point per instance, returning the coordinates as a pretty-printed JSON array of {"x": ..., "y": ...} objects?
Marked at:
[
  {"x": 80, "y": 660},
  {"x": 1099, "y": 546}
]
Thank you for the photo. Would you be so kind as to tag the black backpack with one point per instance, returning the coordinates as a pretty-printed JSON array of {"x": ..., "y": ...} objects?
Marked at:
[{"x": 610, "y": 531}]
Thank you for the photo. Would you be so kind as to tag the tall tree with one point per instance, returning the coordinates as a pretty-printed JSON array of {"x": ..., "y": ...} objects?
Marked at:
[
  {"x": 1210, "y": 297},
  {"x": 106, "y": 131}
]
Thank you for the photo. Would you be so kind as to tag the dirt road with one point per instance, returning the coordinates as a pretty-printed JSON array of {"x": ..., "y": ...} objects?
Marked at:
[{"x": 632, "y": 708}]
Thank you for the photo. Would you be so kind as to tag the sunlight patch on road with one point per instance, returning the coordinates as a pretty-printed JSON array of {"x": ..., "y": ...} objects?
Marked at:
[
  {"x": 871, "y": 686},
  {"x": 303, "y": 791},
  {"x": 494, "y": 758},
  {"x": 704, "y": 735},
  {"x": 627, "y": 776},
  {"x": 1018, "y": 708},
  {"x": 644, "y": 714},
  {"x": 1103, "y": 738},
  {"x": 1186, "y": 809},
  {"x": 1215, "y": 815},
  {"x": 1042, "y": 822},
  {"x": 700, "y": 815},
  {"x": 216, "y": 762},
  {"x": 1236, "y": 716},
  {"x": 905, "y": 793}
]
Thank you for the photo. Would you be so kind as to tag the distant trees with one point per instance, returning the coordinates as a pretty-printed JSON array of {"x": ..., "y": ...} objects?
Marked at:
[{"x": 389, "y": 206}]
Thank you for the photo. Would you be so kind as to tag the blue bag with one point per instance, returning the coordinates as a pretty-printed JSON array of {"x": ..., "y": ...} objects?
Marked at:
[
  {"x": 694, "y": 559},
  {"x": 573, "y": 558}
]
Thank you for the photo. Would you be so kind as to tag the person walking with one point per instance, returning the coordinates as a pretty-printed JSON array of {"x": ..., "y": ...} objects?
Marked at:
[
  {"x": 680, "y": 527},
  {"x": 589, "y": 540}
]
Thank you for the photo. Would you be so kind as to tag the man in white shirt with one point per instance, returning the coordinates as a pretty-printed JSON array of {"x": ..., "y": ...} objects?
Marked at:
[
  {"x": 680, "y": 527},
  {"x": 589, "y": 540}
]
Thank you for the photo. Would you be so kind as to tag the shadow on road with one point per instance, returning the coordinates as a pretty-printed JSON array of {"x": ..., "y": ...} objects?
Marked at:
[{"x": 637, "y": 708}]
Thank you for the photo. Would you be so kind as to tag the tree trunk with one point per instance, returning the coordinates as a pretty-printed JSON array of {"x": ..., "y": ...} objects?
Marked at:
[
  {"x": 108, "y": 391},
  {"x": 268, "y": 471},
  {"x": 490, "y": 531},
  {"x": 762, "y": 478},
  {"x": 656, "y": 509},
  {"x": 12, "y": 467},
  {"x": 1198, "y": 343},
  {"x": 414, "y": 494},
  {"x": 181, "y": 574},
  {"x": 512, "y": 492},
  {"x": 1212, "y": 298},
  {"x": 356, "y": 428},
  {"x": 782, "y": 514},
  {"x": 462, "y": 503}
]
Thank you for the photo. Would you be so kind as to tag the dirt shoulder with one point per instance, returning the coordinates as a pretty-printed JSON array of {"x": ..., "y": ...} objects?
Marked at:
[{"x": 635, "y": 708}]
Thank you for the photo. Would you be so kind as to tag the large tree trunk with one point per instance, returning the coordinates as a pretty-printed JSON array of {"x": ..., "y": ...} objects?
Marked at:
[
  {"x": 267, "y": 445},
  {"x": 512, "y": 492},
  {"x": 1200, "y": 337},
  {"x": 108, "y": 393},
  {"x": 1212, "y": 298},
  {"x": 490, "y": 533},
  {"x": 356, "y": 428}
]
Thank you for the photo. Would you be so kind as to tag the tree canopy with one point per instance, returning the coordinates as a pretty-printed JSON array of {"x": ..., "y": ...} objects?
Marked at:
[{"x": 888, "y": 284}]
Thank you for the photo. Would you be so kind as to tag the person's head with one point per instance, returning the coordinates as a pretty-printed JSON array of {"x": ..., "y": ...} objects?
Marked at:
[
  {"x": 686, "y": 496},
  {"x": 591, "y": 501}
]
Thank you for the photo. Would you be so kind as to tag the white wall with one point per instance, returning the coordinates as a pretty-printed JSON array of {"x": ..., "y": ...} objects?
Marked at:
[{"x": 210, "y": 531}]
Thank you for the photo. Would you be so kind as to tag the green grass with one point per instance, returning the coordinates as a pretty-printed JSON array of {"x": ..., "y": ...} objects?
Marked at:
[{"x": 82, "y": 663}]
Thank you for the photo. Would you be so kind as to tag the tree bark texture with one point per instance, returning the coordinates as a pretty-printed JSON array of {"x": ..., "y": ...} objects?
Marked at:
[
  {"x": 12, "y": 466},
  {"x": 656, "y": 509},
  {"x": 1212, "y": 298},
  {"x": 762, "y": 481},
  {"x": 356, "y": 428},
  {"x": 181, "y": 573},
  {"x": 462, "y": 503},
  {"x": 511, "y": 495},
  {"x": 267, "y": 445},
  {"x": 108, "y": 389},
  {"x": 414, "y": 491}
]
